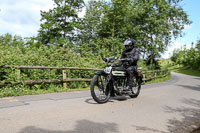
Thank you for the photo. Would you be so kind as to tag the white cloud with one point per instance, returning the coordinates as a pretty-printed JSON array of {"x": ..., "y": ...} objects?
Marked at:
[
  {"x": 22, "y": 17},
  {"x": 175, "y": 45},
  {"x": 187, "y": 27}
]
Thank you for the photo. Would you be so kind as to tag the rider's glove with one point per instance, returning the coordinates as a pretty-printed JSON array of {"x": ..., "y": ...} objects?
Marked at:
[
  {"x": 128, "y": 59},
  {"x": 115, "y": 65},
  {"x": 126, "y": 64}
]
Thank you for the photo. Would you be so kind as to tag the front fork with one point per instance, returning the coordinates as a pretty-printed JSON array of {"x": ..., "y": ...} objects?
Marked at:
[{"x": 108, "y": 84}]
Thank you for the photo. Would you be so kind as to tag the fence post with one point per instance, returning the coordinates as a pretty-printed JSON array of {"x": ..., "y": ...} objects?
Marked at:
[
  {"x": 64, "y": 77},
  {"x": 144, "y": 77},
  {"x": 167, "y": 72},
  {"x": 161, "y": 73},
  {"x": 18, "y": 73}
]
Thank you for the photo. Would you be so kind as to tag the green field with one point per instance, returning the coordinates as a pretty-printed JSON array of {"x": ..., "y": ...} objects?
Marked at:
[
  {"x": 187, "y": 71},
  {"x": 168, "y": 64}
]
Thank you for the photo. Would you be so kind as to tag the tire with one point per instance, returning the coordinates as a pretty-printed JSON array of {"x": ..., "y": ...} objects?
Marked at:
[
  {"x": 136, "y": 90},
  {"x": 97, "y": 86}
]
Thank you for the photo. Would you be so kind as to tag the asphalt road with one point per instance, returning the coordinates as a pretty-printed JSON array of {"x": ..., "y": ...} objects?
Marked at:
[{"x": 171, "y": 106}]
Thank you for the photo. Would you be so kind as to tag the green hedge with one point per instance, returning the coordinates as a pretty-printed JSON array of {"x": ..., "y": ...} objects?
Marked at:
[{"x": 15, "y": 51}]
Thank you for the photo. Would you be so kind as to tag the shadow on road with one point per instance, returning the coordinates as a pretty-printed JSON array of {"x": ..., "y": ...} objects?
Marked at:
[
  {"x": 196, "y": 88},
  {"x": 112, "y": 99},
  {"x": 90, "y": 101},
  {"x": 82, "y": 126},
  {"x": 120, "y": 98},
  {"x": 197, "y": 78},
  {"x": 190, "y": 114},
  {"x": 13, "y": 104},
  {"x": 147, "y": 129}
]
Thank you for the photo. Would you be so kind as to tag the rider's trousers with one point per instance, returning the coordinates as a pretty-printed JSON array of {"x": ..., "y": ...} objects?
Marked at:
[{"x": 131, "y": 71}]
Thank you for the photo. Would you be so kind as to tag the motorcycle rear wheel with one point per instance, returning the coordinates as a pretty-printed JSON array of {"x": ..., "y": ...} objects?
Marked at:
[
  {"x": 136, "y": 89},
  {"x": 99, "y": 91}
]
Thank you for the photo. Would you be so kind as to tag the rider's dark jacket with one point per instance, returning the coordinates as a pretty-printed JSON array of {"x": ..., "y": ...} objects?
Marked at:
[{"x": 132, "y": 55}]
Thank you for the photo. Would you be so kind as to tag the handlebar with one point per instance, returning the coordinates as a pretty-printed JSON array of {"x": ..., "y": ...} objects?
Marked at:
[
  {"x": 113, "y": 59},
  {"x": 109, "y": 59},
  {"x": 124, "y": 59}
]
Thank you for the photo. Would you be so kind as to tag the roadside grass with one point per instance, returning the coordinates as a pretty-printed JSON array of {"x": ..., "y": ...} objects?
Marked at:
[
  {"x": 168, "y": 64},
  {"x": 159, "y": 80},
  {"x": 21, "y": 90},
  {"x": 187, "y": 71}
]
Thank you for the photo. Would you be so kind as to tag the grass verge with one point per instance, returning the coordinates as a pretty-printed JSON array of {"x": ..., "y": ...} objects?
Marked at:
[
  {"x": 168, "y": 64},
  {"x": 21, "y": 90},
  {"x": 187, "y": 71},
  {"x": 159, "y": 80}
]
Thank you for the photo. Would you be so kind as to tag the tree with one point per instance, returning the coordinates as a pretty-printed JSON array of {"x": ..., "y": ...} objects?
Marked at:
[
  {"x": 187, "y": 57},
  {"x": 157, "y": 22},
  {"x": 59, "y": 25},
  {"x": 151, "y": 23},
  {"x": 8, "y": 40},
  {"x": 103, "y": 24}
]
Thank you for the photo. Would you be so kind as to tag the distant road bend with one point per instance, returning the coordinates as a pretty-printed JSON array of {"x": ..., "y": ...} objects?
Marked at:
[{"x": 171, "y": 106}]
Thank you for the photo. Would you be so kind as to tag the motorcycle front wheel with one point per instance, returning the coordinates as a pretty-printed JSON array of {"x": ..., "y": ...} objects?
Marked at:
[{"x": 99, "y": 89}]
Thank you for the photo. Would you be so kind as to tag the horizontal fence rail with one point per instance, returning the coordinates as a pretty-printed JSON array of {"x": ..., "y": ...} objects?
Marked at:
[
  {"x": 48, "y": 67},
  {"x": 147, "y": 75}
]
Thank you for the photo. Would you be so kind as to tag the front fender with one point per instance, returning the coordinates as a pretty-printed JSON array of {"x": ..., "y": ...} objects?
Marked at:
[{"x": 100, "y": 73}]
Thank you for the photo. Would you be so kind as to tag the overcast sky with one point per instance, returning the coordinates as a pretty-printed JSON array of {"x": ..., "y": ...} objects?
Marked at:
[{"x": 22, "y": 17}]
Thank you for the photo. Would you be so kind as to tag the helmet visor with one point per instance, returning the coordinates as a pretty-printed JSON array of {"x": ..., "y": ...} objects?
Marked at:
[{"x": 128, "y": 46}]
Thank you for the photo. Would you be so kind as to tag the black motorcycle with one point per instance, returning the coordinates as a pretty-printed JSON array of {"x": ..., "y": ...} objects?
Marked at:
[{"x": 111, "y": 82}]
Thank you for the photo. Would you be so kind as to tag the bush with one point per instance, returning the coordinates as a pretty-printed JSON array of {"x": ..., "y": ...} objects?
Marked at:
[
  {"x": 16, "y": 52},
  {"x": 189, "y": 58}
]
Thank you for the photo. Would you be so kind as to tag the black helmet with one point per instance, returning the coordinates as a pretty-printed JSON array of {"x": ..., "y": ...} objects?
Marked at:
[{"x": 129, "y": 43}]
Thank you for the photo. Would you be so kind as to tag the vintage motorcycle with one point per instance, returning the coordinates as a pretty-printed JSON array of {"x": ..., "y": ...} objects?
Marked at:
[{"x": 111, "y": 82}]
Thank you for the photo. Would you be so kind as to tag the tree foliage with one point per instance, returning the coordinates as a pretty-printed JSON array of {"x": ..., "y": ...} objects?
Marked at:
[
  {"x": 188, "y": 57},
  {"x": 106, "y": 24},
  {"x": 59, "y": 24},
  {"x": 151, "y": 23}
]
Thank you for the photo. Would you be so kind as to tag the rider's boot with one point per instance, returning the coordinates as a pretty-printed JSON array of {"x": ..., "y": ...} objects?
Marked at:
[
  {"x": 127, "y": 88},
  {"x": 129, "y": 84}
]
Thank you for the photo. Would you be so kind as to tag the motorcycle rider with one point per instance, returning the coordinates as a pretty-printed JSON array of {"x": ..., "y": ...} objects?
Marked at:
[{"x": 129, "y": 58}]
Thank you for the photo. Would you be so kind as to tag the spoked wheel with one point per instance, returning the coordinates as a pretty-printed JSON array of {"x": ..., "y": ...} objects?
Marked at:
[
  {"x": 136, "y": 88},
  {"x": 99, "y": 89}
]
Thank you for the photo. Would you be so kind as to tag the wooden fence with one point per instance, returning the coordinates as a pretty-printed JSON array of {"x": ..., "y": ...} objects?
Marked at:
[{"x": 147, "y": 75}]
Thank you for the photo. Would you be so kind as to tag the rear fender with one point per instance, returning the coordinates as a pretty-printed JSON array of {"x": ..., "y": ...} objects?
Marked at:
[{"x": 139, "y": 75}]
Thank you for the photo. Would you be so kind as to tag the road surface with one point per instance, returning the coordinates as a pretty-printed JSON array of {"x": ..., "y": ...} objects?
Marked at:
[{"x": 171, "y": 106}]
